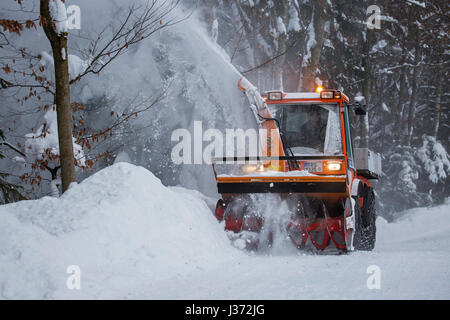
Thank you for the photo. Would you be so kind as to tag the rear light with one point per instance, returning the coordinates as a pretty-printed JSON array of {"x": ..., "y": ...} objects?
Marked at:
[
  {"x": 275, "y": 95},
  {"x": 326, "y": 95}
]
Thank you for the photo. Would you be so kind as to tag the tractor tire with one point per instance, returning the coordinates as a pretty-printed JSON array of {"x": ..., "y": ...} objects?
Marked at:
[
  {"x": 368, "y": 226},
  {"x": 357, "y": 236},
  {"x": 220, "y": 209}
]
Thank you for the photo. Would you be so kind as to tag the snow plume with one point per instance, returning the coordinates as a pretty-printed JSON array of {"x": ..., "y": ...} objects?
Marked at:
[
  {"x": 276, "y": 215},
  {"x": 215, "y": 30},
  {"x": 435, "y": 159},
  {"x": 199, "y": 84}
]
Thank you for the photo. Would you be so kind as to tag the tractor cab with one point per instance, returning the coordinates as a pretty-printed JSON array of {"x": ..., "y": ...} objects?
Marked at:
[{"x": 309, "y": 128}]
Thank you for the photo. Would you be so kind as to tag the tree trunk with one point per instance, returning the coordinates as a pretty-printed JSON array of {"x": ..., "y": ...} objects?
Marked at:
[
  {"x": 437, "y": 105},
  {"x": 282, "y": 46},
  {"x": 310, "y": 71},
  {"x": 399, "y": 113},
  {"x": 58, "y": 43},
  {"x": 364, "y": 120},
  {"x": 252, "y": 60},
  {"x": 412, "y": 102},
  {"x": 401, "y": 94}
]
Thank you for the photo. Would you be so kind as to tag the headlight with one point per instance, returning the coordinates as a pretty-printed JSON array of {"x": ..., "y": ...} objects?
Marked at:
[
  {"x": 250, "y": 168},
  {"x": 260, "y": 167},
  {"x": 334, "y": 166},
  {"x": 275, "y": 95},
  {"x": 326, "y": 95}
]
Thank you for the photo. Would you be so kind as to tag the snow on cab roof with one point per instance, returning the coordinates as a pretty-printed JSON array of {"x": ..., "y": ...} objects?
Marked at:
[
  {"x": 302, "y": 95},
  {"x": 296, "y": 95}
]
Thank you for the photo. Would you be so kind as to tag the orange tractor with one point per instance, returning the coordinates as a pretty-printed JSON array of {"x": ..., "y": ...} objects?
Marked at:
[{"x": 306, "y": 157}]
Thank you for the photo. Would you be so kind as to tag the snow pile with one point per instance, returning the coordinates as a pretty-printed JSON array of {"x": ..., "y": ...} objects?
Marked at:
[
  {"x": 415, "y": 226},
  {"x": 131, "y": 237},
  {"x": 121, "y": 226}
]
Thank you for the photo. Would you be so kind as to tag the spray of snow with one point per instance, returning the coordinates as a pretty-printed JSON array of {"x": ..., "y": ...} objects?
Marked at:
[
  {"x": 122, "y": 156},
  {"x": 215, "y": 30},
  {"x": 200, "y": 84}
]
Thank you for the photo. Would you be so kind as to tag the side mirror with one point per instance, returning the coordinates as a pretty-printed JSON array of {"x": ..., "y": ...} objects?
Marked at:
[{"x": 360, "y": 106}]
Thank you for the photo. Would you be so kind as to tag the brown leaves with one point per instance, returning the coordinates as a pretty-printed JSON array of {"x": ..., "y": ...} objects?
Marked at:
[
  {"x": 77, "y": 106},
  {"x": 30, "y": 24},
  {"x": 6, "y": 69},
  {"x": 12, "y": 26},
  {"x": 15, "y": 26}
]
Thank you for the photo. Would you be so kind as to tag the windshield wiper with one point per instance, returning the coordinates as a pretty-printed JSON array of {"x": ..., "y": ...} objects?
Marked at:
[{"x": 286, "y": 148}]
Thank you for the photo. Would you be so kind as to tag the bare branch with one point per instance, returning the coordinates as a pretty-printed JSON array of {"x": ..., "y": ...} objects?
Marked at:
[
  {"x": 9, "y": 145},
  {"x": 139, "y": 24},
  {"x": 271, "y": 59}
]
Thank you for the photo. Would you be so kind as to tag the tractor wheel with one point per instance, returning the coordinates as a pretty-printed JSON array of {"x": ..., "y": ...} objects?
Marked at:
[
  {"x": 368, "y": 226},
  {"x": 357, "y": 236},
  {"x": 220, "y": 209}
]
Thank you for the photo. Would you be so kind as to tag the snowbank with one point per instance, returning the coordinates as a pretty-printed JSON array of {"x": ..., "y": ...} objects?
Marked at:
[
  {"x": 416, "y": 226},
  {"x": 121, "y": 226}
]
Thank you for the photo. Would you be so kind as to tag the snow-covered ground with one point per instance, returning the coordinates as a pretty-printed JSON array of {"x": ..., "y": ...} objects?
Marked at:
[{"x": 132, "y": 237}]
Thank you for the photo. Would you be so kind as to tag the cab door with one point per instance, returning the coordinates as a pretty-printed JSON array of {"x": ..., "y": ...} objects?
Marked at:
[{"x": 348, "y": 139}]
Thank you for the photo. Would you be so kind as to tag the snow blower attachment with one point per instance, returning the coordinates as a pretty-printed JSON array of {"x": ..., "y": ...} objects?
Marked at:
[{"x": 307, "y": 158}]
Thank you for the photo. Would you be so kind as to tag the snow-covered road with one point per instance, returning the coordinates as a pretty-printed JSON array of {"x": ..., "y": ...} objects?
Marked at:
[
  {"x": 413, "y": 262},
  {"x": 134, "y": 238}
]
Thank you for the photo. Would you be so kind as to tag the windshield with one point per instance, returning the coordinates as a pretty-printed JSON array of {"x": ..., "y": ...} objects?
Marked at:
[{"x": 310, "y": 128}]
